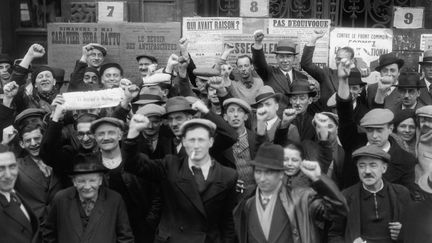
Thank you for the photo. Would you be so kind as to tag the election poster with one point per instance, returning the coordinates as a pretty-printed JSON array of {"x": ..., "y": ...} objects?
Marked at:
[
  {"x": 124, "y": 41},
  {"x": 368, "y": 43}
]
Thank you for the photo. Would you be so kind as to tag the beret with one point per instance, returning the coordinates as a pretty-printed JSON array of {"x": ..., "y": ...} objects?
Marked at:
[
  {"x": 156, "y": 79},
  {"x": 110, "y": 65},
  {"x": 198, "y": 121},
  {"x": 377, "y": 118},
  {"x": 424, "y": 111},
  {"x": 206, "y": 73},
  {"x": 99, "y": 47},
  {"x": 243, "y": 104},
  {"x": 29, "y": 112},
  {"x": 371, "y": 151},
  {"x": 151, "y": 110},
  {"x": 402, "y": 115},
  {"x": 38, "y": 70},
  {"x": 110, "y": 120}
]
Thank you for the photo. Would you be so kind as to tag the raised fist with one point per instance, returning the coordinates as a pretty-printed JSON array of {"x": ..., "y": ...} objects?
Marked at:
[
  {"x": 36, "y": 51},
  {"x": 200, "y": 106},
  {"x": 288, "y": 116},
  {"x": 258, "y": 36},
  {"x": 10, "y": 89},
  {"x": 311, "y": 169},
  {"x": 344, "y": 68},
  {"x": 138, "y": 123}
]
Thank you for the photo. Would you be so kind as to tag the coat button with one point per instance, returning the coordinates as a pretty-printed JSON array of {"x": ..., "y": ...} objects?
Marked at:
[{"x": 181, "y": 228}]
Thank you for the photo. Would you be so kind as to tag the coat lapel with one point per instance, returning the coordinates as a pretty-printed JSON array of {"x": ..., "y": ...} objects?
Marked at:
[
  {"x": 16, "y": 214},
  {"x": 186, "y": 183},
  {"x": 282, "y": 80},
  {"x": 425, "y": 96},
  {"x": 255, "y": 228},
  {"x": 96, "y": 214},
  {"x": 353, "y": 217},
  {"x": 32, "y": 171},
  {"x": 215, "y": 183},
  {"x": 74, "y": 215}
]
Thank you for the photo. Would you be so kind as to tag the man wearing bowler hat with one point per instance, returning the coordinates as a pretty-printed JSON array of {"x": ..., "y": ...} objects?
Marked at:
[
  {"x": 426, "y": 67},
  {"x": 274, "y": 212},
  {"x": 408, "y": 87},
  {"x": 383, "y": 92},
  {"x": 376, "y": 206},
  {"x": 199, "y": 192},
  {"x": 87, "y": 212},
  {"x": 279, "y": 77}
]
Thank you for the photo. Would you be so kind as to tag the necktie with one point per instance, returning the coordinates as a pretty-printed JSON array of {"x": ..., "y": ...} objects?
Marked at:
[
  {"x": 15, "y": 199},
  {"x": 88, "y": 206},
  {"x": 199, "y": 178},
  {"x": 264, "y": 201},
  {"x": 288, "y": 78},
  {"x": 430, "y": 89}
]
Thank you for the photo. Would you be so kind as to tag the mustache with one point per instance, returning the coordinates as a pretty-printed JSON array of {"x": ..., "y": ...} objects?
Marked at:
[
  {"x": 366, "y": 176},
  {"x": 107, "y": 141}
]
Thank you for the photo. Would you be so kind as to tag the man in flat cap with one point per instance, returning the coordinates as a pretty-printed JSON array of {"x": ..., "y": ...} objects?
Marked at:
[
  {"x": 376, "y": 206},
  {"x": 111, "y": 74},
  {"x": 97, "y": 213},
  {"x": 275, "y": 212},
  {"x": 236, "y": 112},
  {"x": 157, "y": 84},
  {"x": 383, "y": 92},
  {"x": 426, "y": 67},
  {"x": 199, "y": 193},
  {"x": 281, "y": 76},
  {"x": 378, "y": 125},
  {"x": 146, "y": 64}
]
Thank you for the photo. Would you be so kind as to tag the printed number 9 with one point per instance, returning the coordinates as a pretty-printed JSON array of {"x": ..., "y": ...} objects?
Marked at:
[
  {"x": 254, "y": 6},
  {"x": 110, "y": 11},
  {"x": 408, "y": 18}
]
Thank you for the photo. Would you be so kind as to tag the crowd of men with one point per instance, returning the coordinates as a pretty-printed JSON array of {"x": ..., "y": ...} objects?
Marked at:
[{"x": 249, "y": 152}]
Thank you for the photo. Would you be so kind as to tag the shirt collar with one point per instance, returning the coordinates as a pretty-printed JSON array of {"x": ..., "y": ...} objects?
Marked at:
[
  {"x": 6, "y": 194},
  {"x": 427, "y": 83},
  {"x": 385, "y": 148},
  {"x": 367, "y": 193},
  {"x": 205, "y": 167}
]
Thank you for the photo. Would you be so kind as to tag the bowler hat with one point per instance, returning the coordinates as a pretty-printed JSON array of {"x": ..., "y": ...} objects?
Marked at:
[
  {"x": 301, "y": 86},
  {"x": 409, "y": 80},
  {"x": 387, "y": 59},
  {"x": 270, "y": 156},
  {"x": 151, "y": 58},
  {"x": 264, "y": 93},
  {"x": 87, "y": 164},
  {"x": 243, "y": 104},
  {"x": 200, "y": 122},
  {"x": 110, "y": 120},
  {"x": 427, "y": 57},
  {"x": 285, "y": 47},
  {"x": 377, "y": 118},
  {"x": 371, "y": 151},
  {"x": 178, "y": 104},
  {"x": 425, "y": 111},
  {"x": 355, "y": 78},
  {"x": 4, "y": 58}
]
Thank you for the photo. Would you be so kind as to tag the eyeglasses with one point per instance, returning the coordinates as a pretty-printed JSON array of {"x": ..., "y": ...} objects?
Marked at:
[{"x": 80, "y": 135}]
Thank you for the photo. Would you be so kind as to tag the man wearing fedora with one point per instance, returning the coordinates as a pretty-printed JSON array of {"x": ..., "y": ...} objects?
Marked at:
[
  {"x": 279, "y": 77},
  {"x": 274, "y": 212},
  {"x": 426, "y": 67},
  {"x": 199, "y": 193},
  {"x": 389, "y": 67},
  {"x": 88, "y": 211},
  {"x": 376, "y": 206},
  {"x": 377, "y": 125}
]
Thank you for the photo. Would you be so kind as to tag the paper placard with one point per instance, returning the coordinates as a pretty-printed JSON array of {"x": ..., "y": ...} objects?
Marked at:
[
  {"x": 408, "y": 18},
  {"x": 93, "y": 99}
]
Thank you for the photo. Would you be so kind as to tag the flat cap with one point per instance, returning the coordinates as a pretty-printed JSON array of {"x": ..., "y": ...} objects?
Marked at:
[
  {"x": 243, "y": 104},
  {"x": 424, "y": 111},
  {"x": 29, "y": 112},
  {"x": 371, "y": 151},
  {"x": 330, "y": 115},
  {"x": 151, "y": 110},
  {"x": 198, "y": 121},
  {"x": 206, "y": 73},
  {"x": 156, "y": 79},
  {"x": 99, "y": 47},
  {"x": 151, "y": 58},
  {"x": 110, "y": 120},
  {"x": 377, "y": 118}
]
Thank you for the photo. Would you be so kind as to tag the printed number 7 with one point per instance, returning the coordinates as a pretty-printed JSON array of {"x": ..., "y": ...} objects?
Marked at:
[{"x": 110, "y": 11}]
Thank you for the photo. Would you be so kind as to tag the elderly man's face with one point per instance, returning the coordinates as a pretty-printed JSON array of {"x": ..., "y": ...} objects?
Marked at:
[
  {"x": 95, "y": 58},
  {"x": 143, "y": 66},
  {"x": 88, "y": 185},
  {"x": 85, "y": 137},
  {"x": 235, "y": 116},
  {"x": 90, "y": 78},
  {"x": 425, "y": 124},
  {"x": 379, "y": 135},
  {"x": 111, "y": 78},
  {"x": 108, "y": 136},
  {"x": 391, "y": 70},
  {"x": 300, "y": 102},
  {"x": 4, "y": 73},
  {"x": 176, "y": 119},
  {"x": 197, "y": 143},
  {"x": 31, "y": 142},
  {"x": 409, "y": 96},
  {"x": 371, "y": 170},
  {"x": 427, "y": 70},
  {"x": 245, "y": 67},
  {"x": 285, "y": 61},
  {"x": 8, "y": 171},
  {"x": 45, "y": 81},
  {"x": 154, "y": 126},
  {"x": 267, "y": 180}
]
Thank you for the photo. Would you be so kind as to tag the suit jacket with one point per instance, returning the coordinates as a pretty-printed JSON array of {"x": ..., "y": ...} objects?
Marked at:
[
  {"x": 274, "y": 77},
  {"x": 398, "y": 106},
  {"x": 188, "y": 216},
  {"x": 416, "y": 227},
  {"x": 15, "y": 227},
  {"x": 36, "y": 190},
  {"x": 348, "y": 229},
  {"x": 389, "y": 101},
  {"x": 425, "y": 95},
  {"x": 108, "y": 220}
]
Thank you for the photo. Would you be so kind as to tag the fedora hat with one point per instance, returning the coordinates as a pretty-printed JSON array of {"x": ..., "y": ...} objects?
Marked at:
[
  {"x": 264, "y": 93},
  {"x": 355, "y": 78},
  {"x": 285, "y": 47},
  {"x": 409, "y": 80},
  {"x": 301, "y": 86},
  {"x": 87, "y": 164},
  {"x": 178, "y": 104},
  {"x": 270, "y": 156},
  {"x": 387, "y": 59},
  {"x": 427, "y": 57}
]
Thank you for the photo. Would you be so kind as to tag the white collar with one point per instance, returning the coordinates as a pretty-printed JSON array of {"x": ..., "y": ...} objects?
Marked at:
[
  {"x": 6, "y": 194},
  {"x": 379, "y": 189},
  {"x": 411, "y": 107},
  {"x": 205, "y": 167},
  {"x": 271, "y": 122},
  {"x": 386, "y": 148},
  {"x": 427, "y": 83},
  {"x": 112, "y": 163}
]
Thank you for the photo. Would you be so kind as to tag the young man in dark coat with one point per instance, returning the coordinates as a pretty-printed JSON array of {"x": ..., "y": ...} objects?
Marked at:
[
  {"x": 376, "y": 207},
  {"x": 87, "y": 212},
  {"x": 199, "y": 193}
]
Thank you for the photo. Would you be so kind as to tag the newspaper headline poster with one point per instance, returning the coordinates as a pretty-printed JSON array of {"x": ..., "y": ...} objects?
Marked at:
[
  {"x": 368, "y": 43},
  {"x": 124, "y": 41}
]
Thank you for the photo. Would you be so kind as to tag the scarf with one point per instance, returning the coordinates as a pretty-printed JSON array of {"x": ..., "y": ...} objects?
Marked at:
[{"x": 48, "y": 96}]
